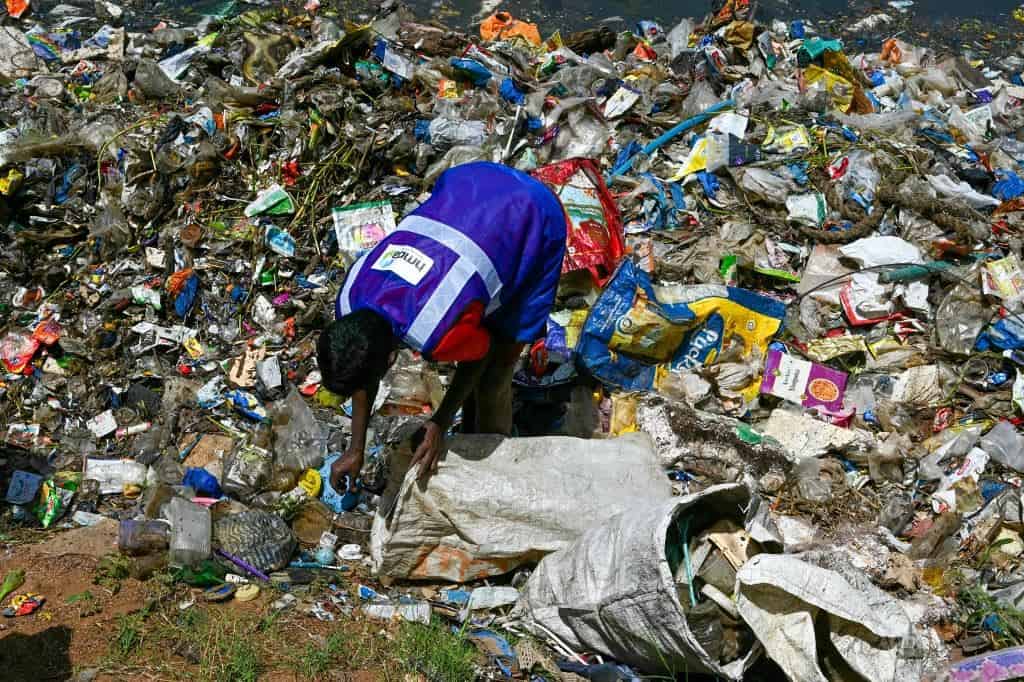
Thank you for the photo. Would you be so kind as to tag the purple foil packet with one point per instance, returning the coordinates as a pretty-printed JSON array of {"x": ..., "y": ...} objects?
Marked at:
[{"x": 803, "y": 382}]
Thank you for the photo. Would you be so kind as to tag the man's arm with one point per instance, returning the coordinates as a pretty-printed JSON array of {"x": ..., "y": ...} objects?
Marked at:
[
  {"x": 467, "y": 376},
  {"x": 351, "y": 463}
]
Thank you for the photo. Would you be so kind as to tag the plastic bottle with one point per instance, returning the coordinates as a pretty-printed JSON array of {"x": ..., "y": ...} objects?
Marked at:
[
  {"x": 809, "y": 482},
  {"x": 143, "y": 567},
  {"x": 493, "y": 597},
  {"x": 417, "y": 612},
  {"x": 156, "y": 497},
  {"x": 114, "y": 474},
  {"x": 142, "y": 537},
  {"x": 190, "y": 532}
]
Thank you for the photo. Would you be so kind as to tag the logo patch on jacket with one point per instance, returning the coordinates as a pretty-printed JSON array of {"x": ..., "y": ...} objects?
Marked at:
[{"x": 406, "y": 262}]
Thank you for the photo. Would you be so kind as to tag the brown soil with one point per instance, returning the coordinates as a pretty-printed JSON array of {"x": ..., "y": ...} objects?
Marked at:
[
  {"x": 58, "y": 642},
  {"x": 48, "y": 644}
]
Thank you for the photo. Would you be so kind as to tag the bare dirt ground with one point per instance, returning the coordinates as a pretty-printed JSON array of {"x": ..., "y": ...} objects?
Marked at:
[{"x": 139, "y": 632}]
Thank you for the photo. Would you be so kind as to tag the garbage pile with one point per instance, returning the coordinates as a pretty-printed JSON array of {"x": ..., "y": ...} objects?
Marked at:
[{"x": 793, "y": 262}]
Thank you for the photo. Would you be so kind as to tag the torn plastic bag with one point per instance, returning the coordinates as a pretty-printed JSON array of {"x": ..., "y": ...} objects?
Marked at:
[
  {"x": 1005, "y": 445},
  {"x": 875, "y": 251},
  {"x": 613, "y": 591},
  {"x": 679, "y": 37},
  {"x": 496, "y": 503},
  {"x": 961, "y": 191},
  {"x": 790, "y": 603},
  {"x": 764, "y": 185},
  {"x": 1003, "y": 664},
  {"x": 961, "y": 316},
  {"x": 890, "y": 122},
  {"x": 594, "y": 232},
  {"x": 802, "y": 436},
  {"x": 861, "y": 179},
  {"x": 445, "y": 133},
  {"x": 455, "y": 156},
  {"x": 638, "y": 330},
  {"x": 662, "y": 214},
  {"x": 247, "y": 471},
  {"x": 17, "y": 58},
  {"x": 299, "y": 442},
  {"x": 1006, "y": 333},
  {"x": 411, "y": 384}
]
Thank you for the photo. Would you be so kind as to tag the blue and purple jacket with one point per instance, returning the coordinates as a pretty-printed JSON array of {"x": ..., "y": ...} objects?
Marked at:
[{"x": 488, "y": 234}]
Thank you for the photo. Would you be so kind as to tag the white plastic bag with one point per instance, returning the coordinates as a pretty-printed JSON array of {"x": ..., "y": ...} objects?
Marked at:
[
  {"x": 874, "y": 251},
  {"x": 613, "y": 591},
  {"x": 949, "y": 188},
  {"x": 679, "y": 37},
  {"x": 783, "y": 598},
  {"x": 497, "y": 502}
]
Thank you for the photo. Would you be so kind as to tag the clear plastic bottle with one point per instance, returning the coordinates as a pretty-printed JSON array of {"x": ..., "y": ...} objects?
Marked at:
[
  {"x": 190, "y": 532},
  {"x": 136, "y": 537}
]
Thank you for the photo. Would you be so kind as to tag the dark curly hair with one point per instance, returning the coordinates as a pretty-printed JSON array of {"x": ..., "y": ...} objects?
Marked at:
[{"x": 354, "y": 351}]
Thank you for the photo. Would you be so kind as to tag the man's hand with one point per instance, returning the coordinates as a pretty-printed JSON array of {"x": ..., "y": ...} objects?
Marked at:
[
  {"x": 349, "y": 464},
  {"x": 429, "y": 449}
]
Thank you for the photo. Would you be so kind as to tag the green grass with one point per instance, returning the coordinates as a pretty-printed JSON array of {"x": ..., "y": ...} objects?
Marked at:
[
  {"x": 219, "y": 643},
  {"x": 313, "y": 661},
  {"x": 110, "y": 571},
  {"x": 229, "y": 647},
  {"x": 128, "y": 637},
  {"x": 244, "y": 664},
  {"x": 86, "y": 602},
  {"x": 980, "y": 612},
  {"x": 436, "y": 652}
]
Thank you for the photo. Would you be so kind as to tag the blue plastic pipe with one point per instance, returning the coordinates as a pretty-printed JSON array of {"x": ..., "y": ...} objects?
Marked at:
[{"x": 668, "y": 136}]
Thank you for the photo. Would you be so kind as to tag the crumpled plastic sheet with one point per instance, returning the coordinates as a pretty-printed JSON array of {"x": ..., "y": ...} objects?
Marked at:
[
  {"x": 802, "y": 436},
  {"x": 960, "y": 317},
  {"x": 783, "y": 599},
  {"x": 612, "y": 591},
  {"x": 300, "y": 442},
  {"x": 763, "y": 184},
  {"x": 947, "y": 187}
]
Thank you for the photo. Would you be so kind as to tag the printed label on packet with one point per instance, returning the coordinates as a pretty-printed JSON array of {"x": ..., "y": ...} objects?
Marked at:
[
  {"x": 409, "y": 263},
  {"x": 803, "y": 382}
]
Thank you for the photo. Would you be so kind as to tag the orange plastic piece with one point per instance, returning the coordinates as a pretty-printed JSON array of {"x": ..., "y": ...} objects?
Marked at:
[
  {"x": 645, "y": 52},
  {"x": 176, "y": 282},
  {"x": 891, "y": 52},
  {"x": 47, "y": 333},
  {"x": 15, "y": 8},
  {"x": 501, "y": 25}
]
